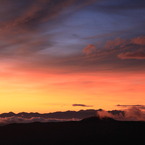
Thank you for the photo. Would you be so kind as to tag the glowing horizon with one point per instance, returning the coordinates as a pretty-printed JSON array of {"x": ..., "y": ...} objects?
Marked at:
[{"x": 55, "y": 54}]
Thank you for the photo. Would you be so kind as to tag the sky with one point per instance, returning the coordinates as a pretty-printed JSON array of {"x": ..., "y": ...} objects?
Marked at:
[{"x": 71, "y": 54}]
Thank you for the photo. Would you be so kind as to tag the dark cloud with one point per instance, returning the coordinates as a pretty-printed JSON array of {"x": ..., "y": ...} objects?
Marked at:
[
  {"x": 81, "y": 105},
  {"x": 127, "y": 106},
  {"x": 119, "y": 6},
  {"x": 31, "y": 14},
  {"x": 132, "y": 55},
  {"x": 133, "y": 49}
]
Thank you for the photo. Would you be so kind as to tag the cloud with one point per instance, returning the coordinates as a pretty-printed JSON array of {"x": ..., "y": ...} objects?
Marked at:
[
  {"x": 139, "y": 40},
  {"x": 114, "y": 44},
  {"x": 137, "y": 106},
  {"x": 31, "y": 14},
  {"x": 15, "y": 119},
  {"x": 131, "y": 114},
  {"x": 28, "y": 27},
  {"x": 132, "y": 55},
  {"x": 41, "y": 11},
  {"x": 81, "y": 105},
  {"x": 107, "y": 57},
  {"x": 133, "y": 49},
  {"x": 32, "y": 32},
  {"x": 90, "y": 49},
  {"x": 103, "y": 114},
  {"x": 117, "y": 7},
  {"x": 135, "y": 114}
]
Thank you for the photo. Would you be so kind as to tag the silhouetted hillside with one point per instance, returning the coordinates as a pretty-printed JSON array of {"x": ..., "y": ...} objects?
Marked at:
[
  {"x": 90, "y": 131},
  {"x": 96, "y": 119}
]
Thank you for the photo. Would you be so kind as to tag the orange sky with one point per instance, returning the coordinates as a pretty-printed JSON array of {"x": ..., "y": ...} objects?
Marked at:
[{"x": 46, "y": 92}]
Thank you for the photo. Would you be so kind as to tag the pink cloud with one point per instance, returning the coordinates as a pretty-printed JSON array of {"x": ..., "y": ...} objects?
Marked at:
[
  {"x": 139, "y": 40},
  {"x": 90, "y": 49},
  {"x": 130, "y": 114},
  {"x": 118, "y": 42}
]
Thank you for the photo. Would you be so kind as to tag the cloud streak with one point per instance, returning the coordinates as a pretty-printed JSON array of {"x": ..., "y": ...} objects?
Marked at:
[
  {"x": 128, "y": 106},
  {"x": 31, "y": 14},
  {"x": 132, "y": 55},
  {"x": 81, "y": 105}
]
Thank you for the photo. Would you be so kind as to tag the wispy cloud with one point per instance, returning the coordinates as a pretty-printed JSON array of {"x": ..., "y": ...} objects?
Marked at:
[
  {"x": 31, "y": 36},
  {"x": 81, "y": 105},
  {"x": 137, "y": 106},
  {"x": 132, "y": 55}
]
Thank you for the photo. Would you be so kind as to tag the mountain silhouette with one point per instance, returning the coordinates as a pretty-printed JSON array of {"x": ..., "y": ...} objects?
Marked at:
[
  {"x": 97, "y": 119},
  {"x": 89, "y": 131}
]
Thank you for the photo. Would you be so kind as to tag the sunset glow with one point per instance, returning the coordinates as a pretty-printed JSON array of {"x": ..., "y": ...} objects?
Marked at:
[{"x": 56, "y": 54}]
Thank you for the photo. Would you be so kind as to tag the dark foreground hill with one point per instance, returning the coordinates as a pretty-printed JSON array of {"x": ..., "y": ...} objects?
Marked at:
[{"x": 91, "y": 131}]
